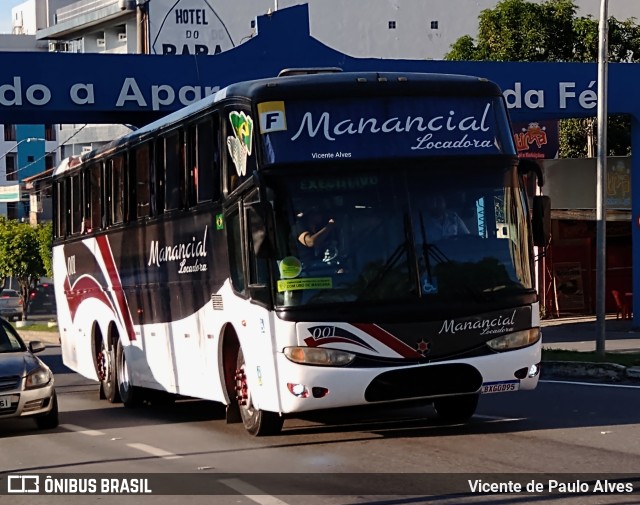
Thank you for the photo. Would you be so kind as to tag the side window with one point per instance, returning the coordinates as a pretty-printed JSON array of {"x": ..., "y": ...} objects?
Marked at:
[
  {"x": 174, "y": 168},
  {"x": 159, "y": 176},
  {"x": 117, "y": 189},
  {"x": 143, "y": 181},
  {"x": 208, "y": 173},
  {"x": 234, "y": 238},
  {"x": 86, "y": 201},
  {"x": 192, "y": 166},
  {"x": 240, "y": 149},
  {"x": 76, "y": 204},
  {"x": 61, "y": 214},
  {"x": 96, "y": 188}
]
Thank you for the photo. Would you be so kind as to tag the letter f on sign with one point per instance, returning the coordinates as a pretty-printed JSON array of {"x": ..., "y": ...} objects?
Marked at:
[{"x": 272, "y": 117}]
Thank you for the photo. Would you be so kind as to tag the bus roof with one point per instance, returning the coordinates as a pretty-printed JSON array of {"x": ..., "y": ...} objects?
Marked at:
[{"x": 316, "y": 85}]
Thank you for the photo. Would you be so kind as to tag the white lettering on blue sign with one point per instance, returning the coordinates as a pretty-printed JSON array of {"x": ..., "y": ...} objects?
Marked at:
[
  {"x": 365, "y": 125},
  {"x": 161, "y": 94}
]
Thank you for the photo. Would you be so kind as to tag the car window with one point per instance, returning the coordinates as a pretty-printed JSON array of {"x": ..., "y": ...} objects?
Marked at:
[{"x": 9, "y": 341}]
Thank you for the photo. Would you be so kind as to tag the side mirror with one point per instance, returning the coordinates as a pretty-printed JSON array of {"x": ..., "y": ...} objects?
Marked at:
[
  {"x": 527, "y": 166},
  {"x": 541, "y": 220},
  {"x": 36, "y": 346}
]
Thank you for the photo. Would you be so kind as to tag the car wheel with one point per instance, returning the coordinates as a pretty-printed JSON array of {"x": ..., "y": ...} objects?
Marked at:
[
  {"x": 49, "y": 420},
  {"x": 130, "y": 395},
  {"x": 257, "y": 422}
]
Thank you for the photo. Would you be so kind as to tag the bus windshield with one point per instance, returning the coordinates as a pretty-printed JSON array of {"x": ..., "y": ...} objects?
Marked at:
[{"x": 451, "y": 234}]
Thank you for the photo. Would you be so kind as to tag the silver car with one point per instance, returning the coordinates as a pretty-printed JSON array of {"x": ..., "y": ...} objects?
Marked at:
[
  {"x": 26, "y": 383},
  {"x": 11, "y": 305}
]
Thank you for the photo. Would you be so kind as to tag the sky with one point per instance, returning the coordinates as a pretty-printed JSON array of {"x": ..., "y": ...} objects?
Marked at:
[{"x": 5, "y": 14}]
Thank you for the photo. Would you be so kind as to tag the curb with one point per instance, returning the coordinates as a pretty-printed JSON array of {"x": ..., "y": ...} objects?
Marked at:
[{"x": 589, "y": 370}]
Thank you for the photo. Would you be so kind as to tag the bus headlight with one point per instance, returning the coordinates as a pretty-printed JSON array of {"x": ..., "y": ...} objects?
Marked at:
[
  {"x": 515, "y": 340},
  {"x": 318, "y": 356}
]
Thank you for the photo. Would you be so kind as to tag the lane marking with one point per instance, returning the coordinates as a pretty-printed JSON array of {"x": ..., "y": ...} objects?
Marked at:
[
  {"x": 251, "y": 492},
  {"x": 80, "y": 429},
  {"x": 154, "y": 451},
  {"x": 576, "y": 383}
]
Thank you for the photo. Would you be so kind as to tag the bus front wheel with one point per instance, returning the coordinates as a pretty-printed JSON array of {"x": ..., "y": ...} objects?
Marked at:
[
  {"x": 257, "y": 422},
  {"x": 456, "y": 409}
]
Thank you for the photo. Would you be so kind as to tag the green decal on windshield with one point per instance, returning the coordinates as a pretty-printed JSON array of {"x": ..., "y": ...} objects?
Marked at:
[
  {"x": 219, "y": 222},
  {"x": 290, "y": 267},
  {"x": 305, "y": 283}
]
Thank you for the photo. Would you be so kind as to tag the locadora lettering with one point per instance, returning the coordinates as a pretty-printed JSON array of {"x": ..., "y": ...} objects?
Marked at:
[
  {"x": 180, "y": 252},
  {"x": 373, "y": 125},
  {"x": 500, "y": 324}
]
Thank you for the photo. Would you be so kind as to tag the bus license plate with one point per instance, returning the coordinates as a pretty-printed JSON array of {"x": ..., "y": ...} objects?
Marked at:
[
  {"x": 5, "y": 402},
  {"x": 500, "y": 387}
]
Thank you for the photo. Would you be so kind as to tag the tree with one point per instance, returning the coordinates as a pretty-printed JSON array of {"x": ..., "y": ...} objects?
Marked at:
[
  {"x": 517, "y": 30},
  {"x": 45, "y": 241},
  {"x": 20, "y": 256}
]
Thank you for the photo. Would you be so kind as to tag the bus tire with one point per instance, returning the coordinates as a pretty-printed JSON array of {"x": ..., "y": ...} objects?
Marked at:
[
  {"x": 130, "y": 395},
  {"x": 106, "y": 365},
  {"x": 257, "y": 422},
  {"x": 456, "y": 409}
]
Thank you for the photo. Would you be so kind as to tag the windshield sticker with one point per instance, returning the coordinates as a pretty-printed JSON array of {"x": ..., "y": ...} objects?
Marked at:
[
  {"x": 305, "y": 283},
  {"x": 240, "y": 144},
  {"x": 272, "y": 117},
  {"x": 290, "y": 267}
]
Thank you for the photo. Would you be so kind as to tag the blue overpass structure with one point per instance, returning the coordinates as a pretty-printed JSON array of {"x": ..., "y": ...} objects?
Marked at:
[{"x": 38, "y": 88}]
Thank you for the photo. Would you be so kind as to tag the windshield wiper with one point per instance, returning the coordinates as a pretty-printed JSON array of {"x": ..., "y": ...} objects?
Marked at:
[{"x": 400, "y": 251}]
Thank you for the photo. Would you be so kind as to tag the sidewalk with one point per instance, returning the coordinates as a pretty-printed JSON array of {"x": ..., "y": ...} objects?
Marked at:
[{"x": 580, "y": 334}]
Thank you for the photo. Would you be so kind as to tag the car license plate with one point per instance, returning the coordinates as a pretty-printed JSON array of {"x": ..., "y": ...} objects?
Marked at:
[
  {"x": 5, "y": 402},
  {"x": 500, "y": 387}
]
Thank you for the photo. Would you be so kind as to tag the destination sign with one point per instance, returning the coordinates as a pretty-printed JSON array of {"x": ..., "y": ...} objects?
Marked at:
[{"x": 295, "y": 131}]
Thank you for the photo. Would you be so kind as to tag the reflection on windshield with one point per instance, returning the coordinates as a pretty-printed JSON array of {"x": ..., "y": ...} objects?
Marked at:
[
  {"x": 406, "y": 235},
  {"x": 8, "y": 341}
]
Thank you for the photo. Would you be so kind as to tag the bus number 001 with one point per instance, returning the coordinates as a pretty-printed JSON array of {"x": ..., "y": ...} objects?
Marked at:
[
  {"x": 71, "y": 265},
  {"x": 323, "y": 332}
]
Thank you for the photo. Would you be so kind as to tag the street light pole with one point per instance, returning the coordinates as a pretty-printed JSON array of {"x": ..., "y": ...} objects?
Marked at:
[
  {"x": 28, "y": 139},
  {"x": 601, "y": 183}
]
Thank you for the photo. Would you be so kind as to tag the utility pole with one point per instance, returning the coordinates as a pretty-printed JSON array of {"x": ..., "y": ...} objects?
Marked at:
[{"x": 601, "y": 183}]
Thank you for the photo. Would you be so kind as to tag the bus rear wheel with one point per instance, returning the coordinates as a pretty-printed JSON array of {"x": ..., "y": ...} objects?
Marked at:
[
  {"x": 106, "y": 368},
  {"x": 130, "y": 395},
  {"x": 456, "y": 409},
  {"x": 257, "y": 422}
]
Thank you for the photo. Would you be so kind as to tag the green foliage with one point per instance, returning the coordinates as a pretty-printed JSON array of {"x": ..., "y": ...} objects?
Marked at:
[
  {"x": 20, "y": 256},
  {"x": 45, "y": 239},
  {"x": 517, "y": 30}
]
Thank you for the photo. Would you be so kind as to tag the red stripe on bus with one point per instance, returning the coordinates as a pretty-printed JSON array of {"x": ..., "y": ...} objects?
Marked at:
[
  {"x": 112, "y": 272},
  {"x": 84, "y": 288},
  {"x": 388, "y": 339}
]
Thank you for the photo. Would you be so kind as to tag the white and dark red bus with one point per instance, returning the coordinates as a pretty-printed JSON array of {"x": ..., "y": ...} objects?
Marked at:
[{"x": 186, "y": 260}]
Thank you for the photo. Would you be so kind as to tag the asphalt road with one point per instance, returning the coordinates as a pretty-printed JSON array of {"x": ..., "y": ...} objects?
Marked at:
[{"x": 401, "y": 456}]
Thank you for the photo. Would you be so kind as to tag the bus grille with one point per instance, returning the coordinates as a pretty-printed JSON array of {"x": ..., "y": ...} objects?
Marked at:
[{"x": 424, "y": 382}]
